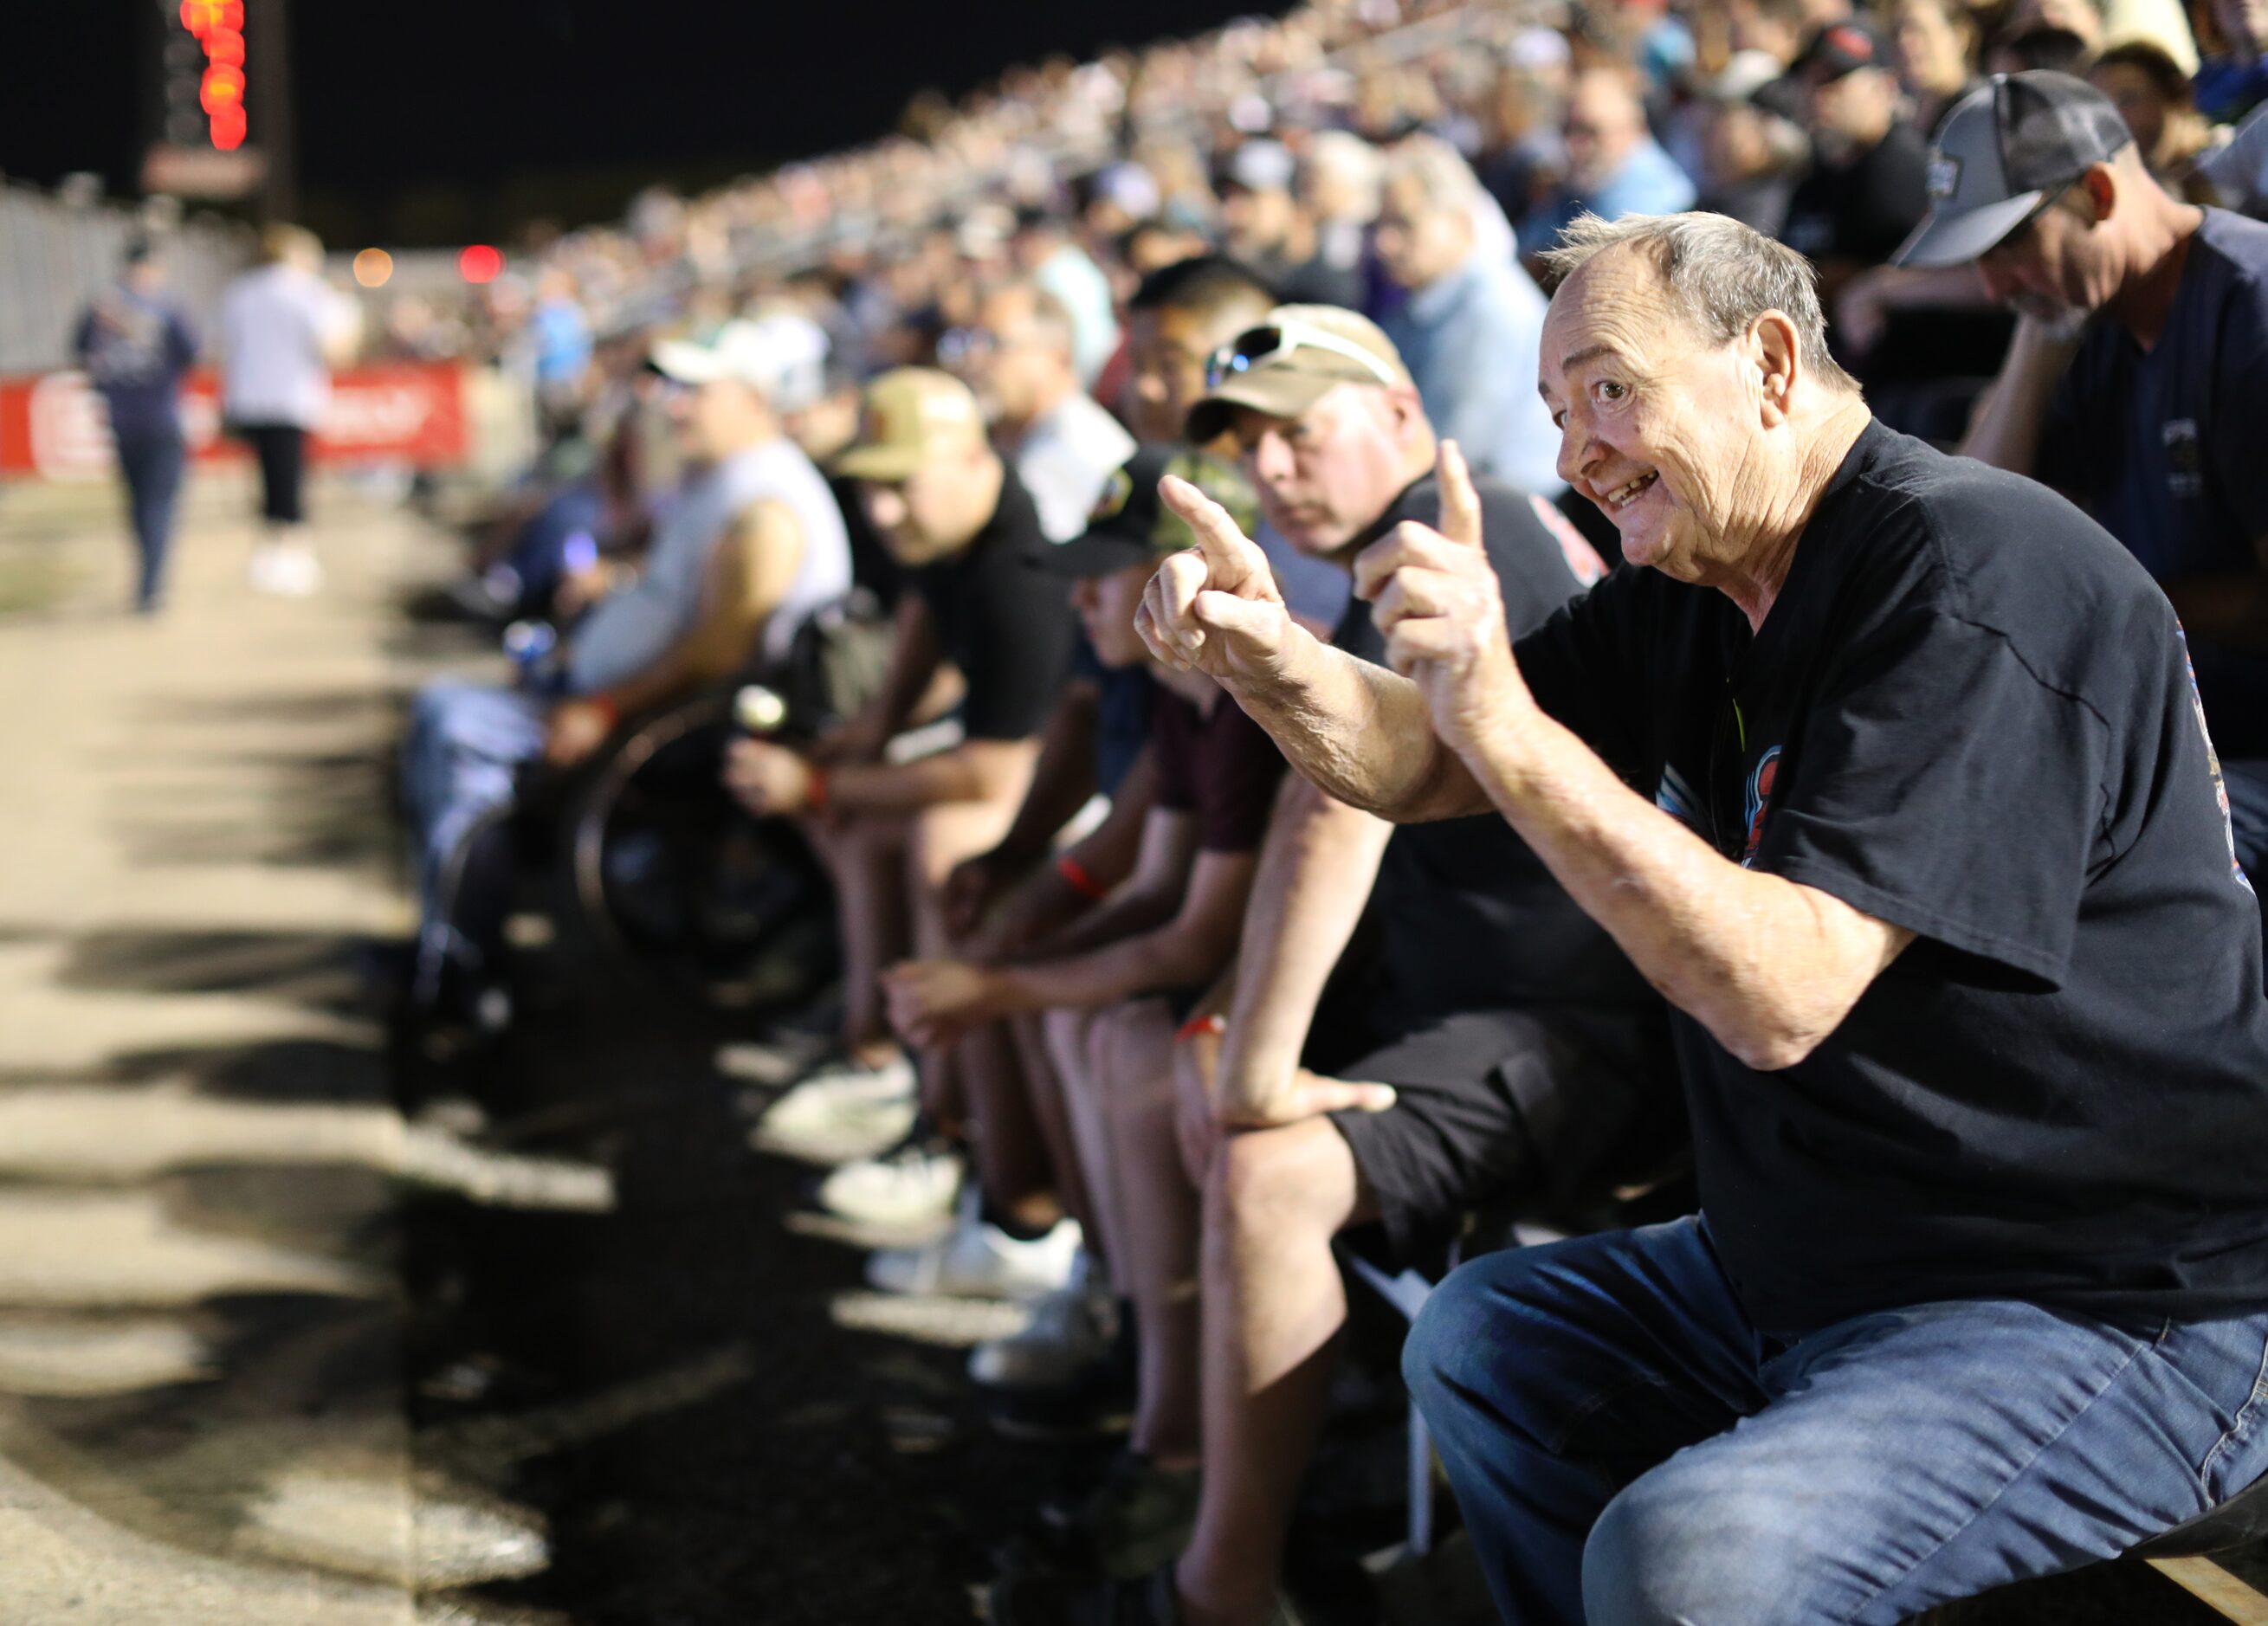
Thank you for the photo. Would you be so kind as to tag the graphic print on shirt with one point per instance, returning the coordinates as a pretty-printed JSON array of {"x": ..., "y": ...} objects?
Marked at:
[
  {"x": 1761, "y": 779},
  {"x": 2185, "y": 457},
  {"x": 2213, "y": 764},
  {"x": 1675, "y": 797}
]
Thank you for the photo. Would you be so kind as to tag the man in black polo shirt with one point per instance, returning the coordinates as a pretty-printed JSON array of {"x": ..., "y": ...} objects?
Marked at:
[
  {"x": 2138, "y": 379},
  {"x": 967, "y": 535},
  {"x": 1914, "y": 822}
]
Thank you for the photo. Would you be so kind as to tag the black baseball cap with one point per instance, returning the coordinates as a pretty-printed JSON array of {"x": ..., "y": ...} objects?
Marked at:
[
  {"x": 1839, "y": 48},
  {"x": 1131, "y": 525},
  {"x": 2001, "y": 153}
]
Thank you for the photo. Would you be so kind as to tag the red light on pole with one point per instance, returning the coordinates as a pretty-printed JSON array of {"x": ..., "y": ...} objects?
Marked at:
[
  {"x": 225, "y": 47},
  {"x": 479, "y": 263},
  {"x": 221, "y": 87},
  {"x": 228, "y": 128}
]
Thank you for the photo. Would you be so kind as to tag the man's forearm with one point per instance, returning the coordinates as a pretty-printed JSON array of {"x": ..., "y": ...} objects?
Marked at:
[
  {"x": 1315, "y": 874},
  {"x": 1769, "y": 967},
  {"x": 2006, "y": 431},
  {"x": 1358, "y": 731},
  {"x": 974, "y": 771},
  {"x": 1064, "y": 778}
]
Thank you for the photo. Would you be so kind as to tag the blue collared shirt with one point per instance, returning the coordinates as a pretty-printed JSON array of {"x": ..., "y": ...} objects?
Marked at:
[
  {"x": 1649, "y": 182},
  {"x": 1470, "y": 343}
]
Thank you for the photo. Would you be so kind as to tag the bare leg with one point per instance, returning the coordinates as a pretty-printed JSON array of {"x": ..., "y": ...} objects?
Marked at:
[
  {"x": 867, "y": 858},
  {"x": 1135, "y": 1044},
  {"x": 1274, "y": 1306},
  {"x": 1045, "y": 1093},
  {"x": 939, "y": 838},
  {"x": 1004, "y": 1133},
  {"x": 1070, "y": 1037}
]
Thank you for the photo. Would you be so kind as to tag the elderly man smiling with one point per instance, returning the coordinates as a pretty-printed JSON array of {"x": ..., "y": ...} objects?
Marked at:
[{"x": 1891, "y": 774}]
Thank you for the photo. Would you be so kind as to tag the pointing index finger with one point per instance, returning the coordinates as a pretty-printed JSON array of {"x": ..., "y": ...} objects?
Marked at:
[
  {"x": 1461, "y": 505},
  {"x": 1229, "y": 555}
]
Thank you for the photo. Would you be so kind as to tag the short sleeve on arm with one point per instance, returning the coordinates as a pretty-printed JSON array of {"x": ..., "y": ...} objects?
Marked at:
[
  {"x": 1239, "y": 768},
  {"x": 1019, "y": 648},
  {"x": 1936, "y": 783}
]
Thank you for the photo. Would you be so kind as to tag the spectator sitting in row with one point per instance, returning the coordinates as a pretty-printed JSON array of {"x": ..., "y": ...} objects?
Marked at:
[
  {"x": 1264, "y": 225},
  {"x": 1753, "y": 156},
  {"x": 1867, "y": 189},
  {"x": 1018, "y": 359},
  {"x": 967, "y": 536},
  {"x": 2156, "y": 101},
  {"x": 1043, "y": 250},
  {"x": 1471, "y": 320},
  {"x": 1499, "y": 1045},
  {"x": 2138, "y": 379},
  {"x": 1938, "y": 43},
  {"x": 1116, "y": 985},
  {"x": 2232, "y": 79},
  {"x": 1615, "y": 166},
  {"x": 750, "y": 545}
]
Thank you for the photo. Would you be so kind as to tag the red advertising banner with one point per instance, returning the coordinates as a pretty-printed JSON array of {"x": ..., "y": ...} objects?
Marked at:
[{"x": 53, "y": 427}]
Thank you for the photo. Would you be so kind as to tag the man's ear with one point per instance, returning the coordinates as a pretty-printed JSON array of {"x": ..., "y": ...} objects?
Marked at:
[
  {"x": 2100, "y": 188},
  {"x": 1776, "y": 350}
]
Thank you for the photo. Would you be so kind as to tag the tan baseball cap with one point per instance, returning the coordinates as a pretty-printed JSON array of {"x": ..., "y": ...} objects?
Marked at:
[
  {"x": 1289, "y": 362},
  {"x": 907, "y": 417}
]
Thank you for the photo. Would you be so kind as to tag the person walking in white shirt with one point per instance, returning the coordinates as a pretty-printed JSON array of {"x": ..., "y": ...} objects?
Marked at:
[{"x": 281, "y": 329}]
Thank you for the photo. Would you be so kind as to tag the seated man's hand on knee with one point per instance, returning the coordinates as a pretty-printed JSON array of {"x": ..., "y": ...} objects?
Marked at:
[{"x": 1305, "y": 1095}]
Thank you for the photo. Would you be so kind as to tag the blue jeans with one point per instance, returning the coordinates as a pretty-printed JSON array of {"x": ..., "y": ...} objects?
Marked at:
[
  {"x": 152, "y": 467},
  {"x": 460, "y": 764},
  {"x": 1630, "y": 1451}
]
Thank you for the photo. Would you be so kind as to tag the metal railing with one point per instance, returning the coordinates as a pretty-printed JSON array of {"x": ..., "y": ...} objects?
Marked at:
[{"x": 59, "y": 249}]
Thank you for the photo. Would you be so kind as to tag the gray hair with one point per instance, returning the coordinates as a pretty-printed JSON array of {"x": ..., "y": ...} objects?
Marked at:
[
  {"x": 1722, "y": 274},
  {"x": 1439, "y": 169}
]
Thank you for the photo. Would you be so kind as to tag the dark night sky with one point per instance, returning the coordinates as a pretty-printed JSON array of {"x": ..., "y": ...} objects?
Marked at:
[{"x": 505, "y": 107}]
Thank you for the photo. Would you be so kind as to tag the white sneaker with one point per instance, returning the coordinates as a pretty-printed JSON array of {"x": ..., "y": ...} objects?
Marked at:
[
  {"x": 1071, "y": 1331},
  {"x": 842, "y": 1112},
  {"x": 286, "y": 571},
  {"x": 914, "y": 1183},
  {"x": 978, "y": 1260}
]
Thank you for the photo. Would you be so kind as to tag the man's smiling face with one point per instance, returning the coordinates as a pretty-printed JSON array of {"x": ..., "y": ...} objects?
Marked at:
[{"x": 1657, "y": 424}]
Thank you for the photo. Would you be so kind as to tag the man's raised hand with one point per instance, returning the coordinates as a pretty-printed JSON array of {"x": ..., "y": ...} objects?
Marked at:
[
  {"x": 1214, "y": 606},
  {"x": 1436, "y": 601}
]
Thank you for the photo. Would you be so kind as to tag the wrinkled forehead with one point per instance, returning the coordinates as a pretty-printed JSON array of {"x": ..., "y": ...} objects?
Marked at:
[{"x": 1618, "y": 300}]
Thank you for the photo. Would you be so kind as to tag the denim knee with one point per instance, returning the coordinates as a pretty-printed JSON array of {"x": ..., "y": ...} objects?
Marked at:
[
  {"x": 1449, "y": 1331},
  {"x": 1663, "y": 1556}
]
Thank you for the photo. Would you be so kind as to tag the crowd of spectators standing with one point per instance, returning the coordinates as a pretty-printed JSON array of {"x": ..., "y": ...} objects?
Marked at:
[{"x": 1151, "y": 1027}]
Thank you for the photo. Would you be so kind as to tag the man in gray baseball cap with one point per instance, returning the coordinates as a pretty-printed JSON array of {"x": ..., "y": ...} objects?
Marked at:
[
  {"x": 2137, "y": 381},
  {"x": 2002, "y": 155}
]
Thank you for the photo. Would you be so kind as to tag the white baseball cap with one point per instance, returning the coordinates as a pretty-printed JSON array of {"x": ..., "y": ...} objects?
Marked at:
[{"x": 782, "y": 356}]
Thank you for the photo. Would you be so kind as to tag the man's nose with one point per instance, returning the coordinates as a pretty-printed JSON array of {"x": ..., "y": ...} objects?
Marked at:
[{"x": 1576, "y": 451}]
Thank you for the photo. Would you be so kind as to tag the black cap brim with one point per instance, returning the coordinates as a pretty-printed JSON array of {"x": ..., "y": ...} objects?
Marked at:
[{"x": 1097, "y": 552}]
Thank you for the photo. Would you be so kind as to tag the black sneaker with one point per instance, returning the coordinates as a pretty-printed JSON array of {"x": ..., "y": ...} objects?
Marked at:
[{"x": 1139, "y": 1517}]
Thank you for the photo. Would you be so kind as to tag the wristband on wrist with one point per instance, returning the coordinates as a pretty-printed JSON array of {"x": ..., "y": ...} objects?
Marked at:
[
  {"x": 1079, "y": 880},
  {"x": 1214, "y": 1023},
  {"x": 814, "y": 794}
]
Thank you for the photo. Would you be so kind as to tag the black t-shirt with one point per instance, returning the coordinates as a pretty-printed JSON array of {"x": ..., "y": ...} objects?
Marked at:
[
  {"x": 1468, "y": 916},
  {"x": 1005, "y": 623},
  {"x": 1967, "y": 713},
  {"x": 1218, "y": 767},
  {"x": 1862, "y": 210},
  {"x": 2167, "y": 448}
]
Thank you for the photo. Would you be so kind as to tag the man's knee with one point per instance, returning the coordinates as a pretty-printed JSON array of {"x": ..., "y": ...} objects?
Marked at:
[
  {"x": 1296, "y": 1183},
  {"x": 1475, "y": 1329},
  {"x": 1663, "y": 1554}
]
